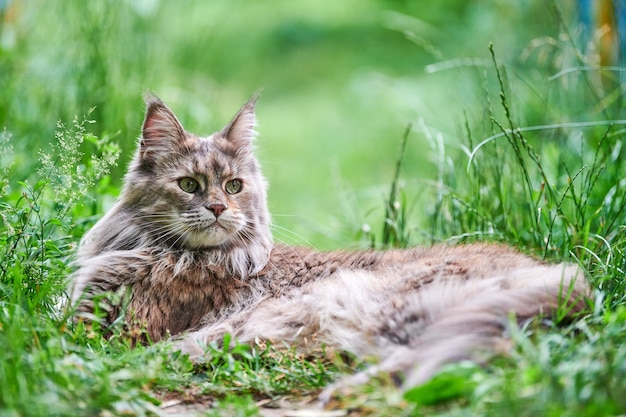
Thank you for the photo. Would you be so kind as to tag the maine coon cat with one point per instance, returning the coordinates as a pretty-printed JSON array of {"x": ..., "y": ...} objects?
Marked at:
[{"x": 189, "y": 242}]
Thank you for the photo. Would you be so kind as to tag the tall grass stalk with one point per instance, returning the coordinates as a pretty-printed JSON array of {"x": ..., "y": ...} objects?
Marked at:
[{"x": 396, "y": 232}]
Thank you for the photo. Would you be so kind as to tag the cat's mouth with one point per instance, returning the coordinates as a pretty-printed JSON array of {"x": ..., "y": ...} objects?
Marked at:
[
  {"x": 217, "y": 225},
  {"x": 208, "y": 231},
  {"x": 214, "y": 233}
]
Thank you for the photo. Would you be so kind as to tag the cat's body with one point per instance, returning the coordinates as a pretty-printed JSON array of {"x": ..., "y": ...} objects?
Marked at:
[{"x": 189, "y": 239}]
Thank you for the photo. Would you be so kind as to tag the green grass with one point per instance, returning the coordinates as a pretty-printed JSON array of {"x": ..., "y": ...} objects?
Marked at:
[{"x": 497, "y": 149}]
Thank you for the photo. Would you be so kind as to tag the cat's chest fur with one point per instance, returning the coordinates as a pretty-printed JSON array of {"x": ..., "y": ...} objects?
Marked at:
[{"x": 178, "y": 294}]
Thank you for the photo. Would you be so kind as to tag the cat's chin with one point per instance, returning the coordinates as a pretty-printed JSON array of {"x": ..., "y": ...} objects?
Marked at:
[{"x": 216, "y": 238}]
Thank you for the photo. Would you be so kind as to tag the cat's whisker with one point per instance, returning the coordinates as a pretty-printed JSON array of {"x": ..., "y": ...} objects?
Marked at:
[
  {"x": 244, "y": 236},
  {"x": 154, "y": 217},
  {"x": 293, "y": 252},
  {"x": 287, "y": 233},
  {"x": 168, "y": 226},
  {"x": 181, "y": 230},
  {"x": 164, "y": 230}
]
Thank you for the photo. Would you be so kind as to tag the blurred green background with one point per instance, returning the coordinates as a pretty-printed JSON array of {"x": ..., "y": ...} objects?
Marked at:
[{"x": 341, "y": 82}]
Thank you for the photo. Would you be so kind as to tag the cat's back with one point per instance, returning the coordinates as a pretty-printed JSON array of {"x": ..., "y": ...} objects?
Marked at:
[
  {"x": 418, "y": 265},
  {"x": 432, "y": 280},
  {"x": 366, "y": 301}
]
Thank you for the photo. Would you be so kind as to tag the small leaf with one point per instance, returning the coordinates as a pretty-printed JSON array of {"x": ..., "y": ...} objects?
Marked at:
[{"x": 454, "y": 381}]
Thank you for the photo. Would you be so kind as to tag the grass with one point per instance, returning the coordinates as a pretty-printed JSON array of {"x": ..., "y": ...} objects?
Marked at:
[{"x": 536, "y": 161}]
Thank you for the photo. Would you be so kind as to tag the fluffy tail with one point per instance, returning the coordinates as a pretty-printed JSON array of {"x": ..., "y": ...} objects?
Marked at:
[{"x": 475, "y": 326}]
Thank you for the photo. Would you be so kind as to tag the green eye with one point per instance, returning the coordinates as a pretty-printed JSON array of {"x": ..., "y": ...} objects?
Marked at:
[
  {"x": 188, "y": 185},
  {"x": 233, "y": 186}
]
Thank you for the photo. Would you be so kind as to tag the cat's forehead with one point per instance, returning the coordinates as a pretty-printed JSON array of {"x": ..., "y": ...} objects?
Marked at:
[
  {"x": 215, "y": 155},
  {"x": 217, "y": 143}
]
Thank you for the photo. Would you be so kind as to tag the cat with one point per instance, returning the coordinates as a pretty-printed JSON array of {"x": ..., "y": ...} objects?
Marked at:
[{"x": 189, "y": 241}]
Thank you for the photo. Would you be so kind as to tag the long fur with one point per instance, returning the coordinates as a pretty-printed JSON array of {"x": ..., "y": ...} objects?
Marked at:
[{"x": 198, "y": 274}]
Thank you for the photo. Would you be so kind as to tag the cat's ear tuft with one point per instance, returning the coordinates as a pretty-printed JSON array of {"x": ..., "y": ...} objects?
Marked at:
[
  {"x": 161, "y": 131},
  {"x": 241, "y": 129}
]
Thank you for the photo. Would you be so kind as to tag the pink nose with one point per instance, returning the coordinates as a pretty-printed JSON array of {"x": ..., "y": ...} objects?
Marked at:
[{"x": 217, "y": 208}]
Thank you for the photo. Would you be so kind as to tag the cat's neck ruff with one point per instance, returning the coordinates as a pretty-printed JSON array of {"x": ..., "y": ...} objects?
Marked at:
[{"x": 237, "y": 262}]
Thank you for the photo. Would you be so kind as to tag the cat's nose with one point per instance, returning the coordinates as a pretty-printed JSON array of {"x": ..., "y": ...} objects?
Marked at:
[{"x": 217, "y": 209}]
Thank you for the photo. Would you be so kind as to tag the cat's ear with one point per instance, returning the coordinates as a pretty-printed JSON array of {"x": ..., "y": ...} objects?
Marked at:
[
  {"x": 240, "y": 130},
  {"x": 161, "y": 132}
]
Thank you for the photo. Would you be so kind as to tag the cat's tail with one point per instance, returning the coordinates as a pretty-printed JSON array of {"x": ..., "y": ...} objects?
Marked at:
[
  {"x": 471, "y": 319},
  {"x": 473, "y": 325}
]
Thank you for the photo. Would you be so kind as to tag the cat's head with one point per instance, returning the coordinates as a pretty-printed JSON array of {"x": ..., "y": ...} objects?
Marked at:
[{"x": 200, "y": 193}]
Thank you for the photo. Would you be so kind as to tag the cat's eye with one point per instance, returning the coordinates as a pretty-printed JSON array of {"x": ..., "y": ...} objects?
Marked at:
[
  {"x": 188, "y": 185},
  {"x": 233, "y": 186}
]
